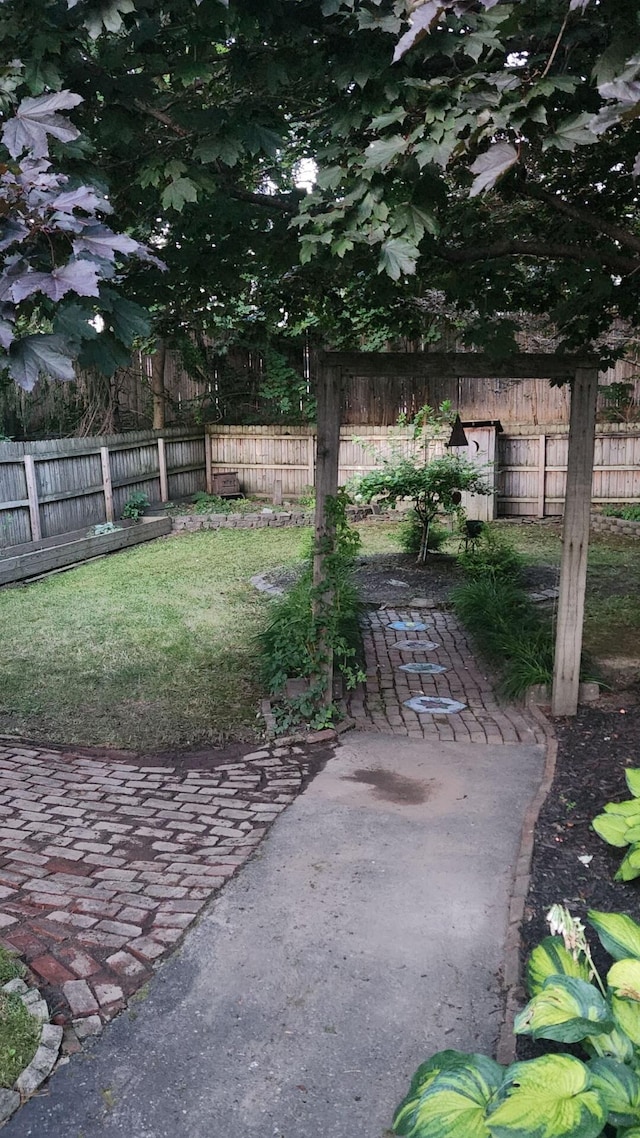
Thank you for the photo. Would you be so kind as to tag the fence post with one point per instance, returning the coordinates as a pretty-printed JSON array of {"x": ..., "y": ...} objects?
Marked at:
[
  {"x": 575, "y": 547},
  {"x": 542, "y": 474},
  {"x": 106, "y": 483},
  {"x": 162, "y": 465},
  {"x": 208, "y": 462},
  {"x": 311, "y": 459},
  {"x": 32, "y": 494}
]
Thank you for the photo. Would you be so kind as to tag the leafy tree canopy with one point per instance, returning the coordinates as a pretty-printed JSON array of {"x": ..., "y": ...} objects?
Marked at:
[{"x": 492, "y": 149}]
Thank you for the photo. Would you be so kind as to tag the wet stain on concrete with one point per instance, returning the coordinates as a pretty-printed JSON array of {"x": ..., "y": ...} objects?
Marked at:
[{"x": 392, "y": 787}]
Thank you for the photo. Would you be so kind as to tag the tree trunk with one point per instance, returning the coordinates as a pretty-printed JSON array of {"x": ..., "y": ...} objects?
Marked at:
[
  {"x": 157, "y": 386},
  {"x": 326, "y": 484}
]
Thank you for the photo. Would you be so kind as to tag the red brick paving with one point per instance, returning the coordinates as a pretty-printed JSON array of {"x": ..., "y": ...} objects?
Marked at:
[
  {"x": 378, "y": 705},
  {"x": 104, "y": 863}
]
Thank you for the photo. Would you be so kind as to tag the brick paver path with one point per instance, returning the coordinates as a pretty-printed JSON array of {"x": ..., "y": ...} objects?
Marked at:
[
  {"x": 104, "y": 863},
  {"x": 380, "y": 705}
]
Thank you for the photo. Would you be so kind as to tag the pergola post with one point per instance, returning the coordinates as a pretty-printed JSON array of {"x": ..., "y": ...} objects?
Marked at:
[
  {"x": 573, "y": 572},
  {"x": 329, "y": 404}
]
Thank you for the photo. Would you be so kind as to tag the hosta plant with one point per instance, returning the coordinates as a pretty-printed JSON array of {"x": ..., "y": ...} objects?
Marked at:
[
  {"x": 459, "y": 1095},
  {"x": 619, "y": 825}
]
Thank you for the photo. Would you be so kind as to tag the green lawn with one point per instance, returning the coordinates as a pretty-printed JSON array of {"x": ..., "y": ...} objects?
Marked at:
[{"x": 151, "y": 648}]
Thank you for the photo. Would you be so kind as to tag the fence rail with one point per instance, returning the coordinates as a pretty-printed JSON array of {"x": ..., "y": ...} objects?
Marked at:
[{"x": 59, "y": 485}]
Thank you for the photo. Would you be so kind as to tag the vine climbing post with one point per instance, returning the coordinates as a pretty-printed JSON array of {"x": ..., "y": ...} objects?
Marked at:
[
  {"x": 329, "y": 404},
  {"x": 575, "y": 536}
]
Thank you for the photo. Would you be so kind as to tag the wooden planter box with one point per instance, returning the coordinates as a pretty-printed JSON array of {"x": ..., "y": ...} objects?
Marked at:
[
  {"x": 19, "y": 562},
  {"x": 225, "y": 483}
]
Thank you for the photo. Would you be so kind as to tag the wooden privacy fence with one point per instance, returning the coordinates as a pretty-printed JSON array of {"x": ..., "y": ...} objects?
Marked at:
[
  {"x": 58, "y": 485},
  {"x": 531, "y": 468}
]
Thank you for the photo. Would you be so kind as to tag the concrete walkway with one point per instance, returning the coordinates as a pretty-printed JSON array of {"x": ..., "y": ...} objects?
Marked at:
[{"x": 366, "y": 932}]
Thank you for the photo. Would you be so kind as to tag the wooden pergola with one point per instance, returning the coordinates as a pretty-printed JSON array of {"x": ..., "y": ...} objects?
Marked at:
[{"x": 579, "y": 371}]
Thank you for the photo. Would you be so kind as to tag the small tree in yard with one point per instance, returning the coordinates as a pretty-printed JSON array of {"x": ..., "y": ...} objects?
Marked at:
[{"x": 434, "y": 487}]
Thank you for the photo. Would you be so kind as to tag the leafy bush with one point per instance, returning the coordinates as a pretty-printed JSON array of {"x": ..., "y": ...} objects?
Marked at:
[
  {"x": 491, "y": 556},
  {"x": 410, "y": 535},
  {"x": 629, "y": 513},
  {"x": 135, "y": 506},
  {"x": 619, "y": 825},
  {"x": 457, "y": 1095},
  {"x": 211, "y": 503},
  {"x": 434, "y": 487}
]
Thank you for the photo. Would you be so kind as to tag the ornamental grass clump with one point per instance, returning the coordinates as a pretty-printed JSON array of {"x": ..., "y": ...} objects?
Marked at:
[
  {"x": 592, "y": 1091},
  {"x": 495, "y": 608}
]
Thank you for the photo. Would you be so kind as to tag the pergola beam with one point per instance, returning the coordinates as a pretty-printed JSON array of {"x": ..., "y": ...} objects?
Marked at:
[{"x": 459, "y": 365}]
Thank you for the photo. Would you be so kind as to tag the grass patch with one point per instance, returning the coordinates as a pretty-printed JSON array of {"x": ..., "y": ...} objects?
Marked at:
[
  {"x": 19, "y": 1038},
  {"x": 10, "y": 967},
  {"x": 151, "y": 648}
]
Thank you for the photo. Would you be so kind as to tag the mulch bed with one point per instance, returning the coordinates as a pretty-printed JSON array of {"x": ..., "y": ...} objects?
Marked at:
[{"x": 593, "y": 751}]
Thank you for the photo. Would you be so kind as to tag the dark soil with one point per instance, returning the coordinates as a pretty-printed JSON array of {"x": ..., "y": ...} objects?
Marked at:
[{"x": 593, "y": 751}]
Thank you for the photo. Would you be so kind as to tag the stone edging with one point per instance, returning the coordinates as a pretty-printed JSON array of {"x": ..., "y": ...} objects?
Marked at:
[
  {"x": 192, "y": 523},
  {"x": 46, "y": 1054},
  {"x": 601, "y": 523},
  {"x": 511, "y": 975}
]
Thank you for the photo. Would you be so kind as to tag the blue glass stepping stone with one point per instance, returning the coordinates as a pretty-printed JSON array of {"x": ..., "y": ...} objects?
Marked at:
[
  {"x": 414, "y": 646},
  {"x": 422, "y": 669},
  {"x": 408, "y": 626},
  {"x": 434, "y": 705}
]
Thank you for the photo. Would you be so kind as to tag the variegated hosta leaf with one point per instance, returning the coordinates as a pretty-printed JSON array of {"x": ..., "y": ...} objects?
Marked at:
[
  {"x": 566, "y": 1009},
  {"x": 620, "y": 1090},
  {"x": 551, "y": 1097},
  {"x": 624, "y": 979},
  {"x": 618, "y": 934},
  {"x": 613, "y": 828},
  {"x": 632, "y": 775},
  {"x": 629, "y": 867},
  {"x": 452, "y": 1103},
  {"x": 613, "y": 1045},
  {"x": 551, "y": 958}
]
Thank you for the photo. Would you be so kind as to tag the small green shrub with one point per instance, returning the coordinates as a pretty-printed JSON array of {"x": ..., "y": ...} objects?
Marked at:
[
  {"x": 211, "y": 503},
  {"x": 410, "y": 533},
  {"x": 307, "y": 499},
  {"x": 491, "y": 555},
  {"x": 135, "y": 506},
  {"x": 628, "y": 513}
]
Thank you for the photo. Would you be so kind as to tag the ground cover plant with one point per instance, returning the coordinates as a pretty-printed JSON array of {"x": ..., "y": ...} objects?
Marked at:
[{"x": 628, "y": 513}]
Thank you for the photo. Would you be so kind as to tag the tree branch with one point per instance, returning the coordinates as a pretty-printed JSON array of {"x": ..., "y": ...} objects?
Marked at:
[
  {"x": 615, "y": 262},
  {"x": 580, "y": 214}
]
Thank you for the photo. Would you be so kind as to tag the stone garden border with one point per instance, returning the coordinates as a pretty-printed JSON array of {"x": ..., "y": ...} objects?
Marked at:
[
  {"x": 192, "y": 523},
  {"x": 601, "y": 523},
  {"x": 46, "y": 1054}
]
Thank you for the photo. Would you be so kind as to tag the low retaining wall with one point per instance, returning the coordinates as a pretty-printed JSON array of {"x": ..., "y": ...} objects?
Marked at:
[
  {"x": 191, "y": 523},
  {"x": 600, "y": 523}
]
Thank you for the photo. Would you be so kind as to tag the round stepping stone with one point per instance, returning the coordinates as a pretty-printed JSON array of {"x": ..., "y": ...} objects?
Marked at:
[
  {"x": 408, "y": 626},
  {"x": 422, "y": 669},
  {"x": 434, "y": 705},
  {"x": 414, "y": 646}
]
